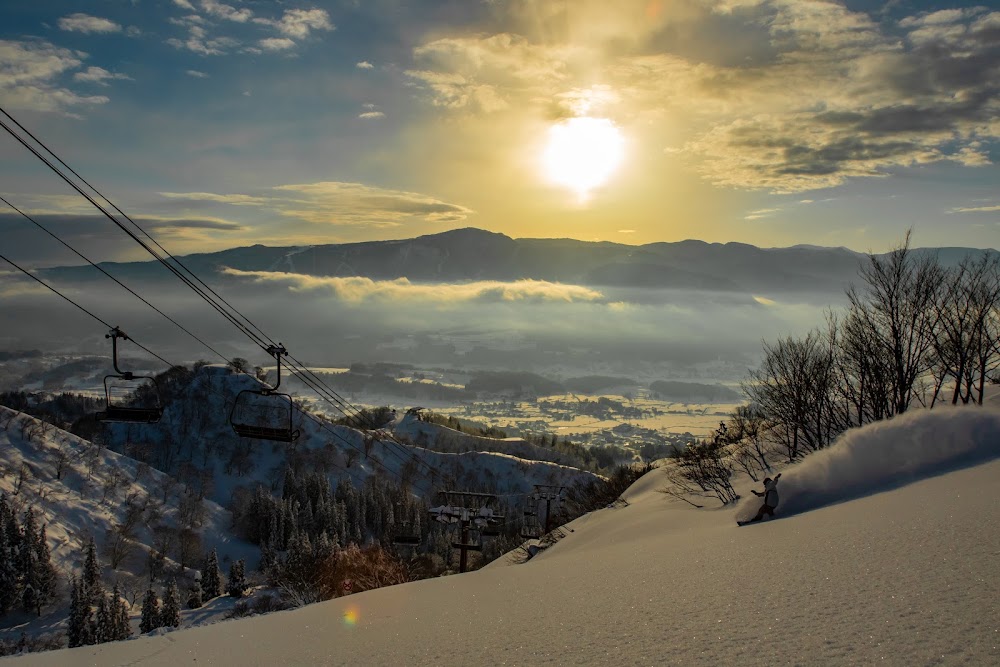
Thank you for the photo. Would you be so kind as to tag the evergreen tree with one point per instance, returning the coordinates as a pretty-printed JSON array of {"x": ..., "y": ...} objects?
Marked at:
[
  {"x": 211, "y": 577},
  {"x": 92, "y": 573},
  {"x": 105, "y": 620},
  {"x": 122, "y": 627},
  {"x": 194, "y": 597},
  {"x": 9, "y": 580},
  {"x": 47, "y": 577},
  {"x": 150, "y": 612},
  {"x": 237, "y": 579},
  {"x": 74, "y": 630},
  {"x": 171, "y": 612}
]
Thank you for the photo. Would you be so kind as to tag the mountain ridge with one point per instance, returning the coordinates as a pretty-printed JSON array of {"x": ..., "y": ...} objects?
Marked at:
[{"x": 471, "y": 254}]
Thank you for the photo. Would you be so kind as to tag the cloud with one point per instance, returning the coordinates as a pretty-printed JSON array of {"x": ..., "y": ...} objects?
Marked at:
[
  {"x": 100, "y": 76},
  {"x": 823, "y": 93},
  {"x": 226, "y": 12},
  {"x": 96, "y": 237},
  {"x": 364, "y": 64},
  {"x": 234, "y": 199},
  {"x": 276, "y": 44},
  {"x": 196, "y": 74},
  {"x": 87, "y": 24},
  {"x": 198, "y": 42},
  {"x": 992, "y": 208},
  {"x": 184, "y": 4},
  {"x": 358, "y": 289},
  {"x": 340, "y": 203},
  {"x": 299, "y": 23},
  {"x": 370, "y": 112},
  {"x": 761, "y": 213},
  {"x": 29, "y": 71}
]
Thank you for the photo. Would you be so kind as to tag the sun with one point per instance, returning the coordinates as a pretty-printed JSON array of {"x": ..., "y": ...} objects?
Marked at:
[{"x": 582, "y": 153}]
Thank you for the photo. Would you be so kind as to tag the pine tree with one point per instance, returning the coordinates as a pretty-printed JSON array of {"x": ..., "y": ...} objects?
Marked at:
[
  {"x": 9, "y": 581},
  {"x": 27, "y": 564},
  {"x": 211, "y": 577},
  {"x": 46, "y": 574},
  {"x": 150, "y": 612},
  {"x": 194, "y": 597},
  {"x": 171, "y": 612},
  {"x": 122, "y": 627},
  {"x": 105, "y": 620},
  {"x": 92, "y": 573},
  {"x": 74, "y": 631},
  {"x": 237, "y": 579}
]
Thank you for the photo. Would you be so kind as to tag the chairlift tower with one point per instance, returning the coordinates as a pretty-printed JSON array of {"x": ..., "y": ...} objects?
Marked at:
[
  {"x": 470, "y": 512},
  {"x": 552, "y": 496}
]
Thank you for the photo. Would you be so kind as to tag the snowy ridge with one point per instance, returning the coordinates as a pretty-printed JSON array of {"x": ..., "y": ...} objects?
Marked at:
[{"x": 197, "y": 426}]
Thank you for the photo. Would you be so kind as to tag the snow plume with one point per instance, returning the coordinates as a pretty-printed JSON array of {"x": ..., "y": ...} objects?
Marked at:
[{"x": 886, "y": 455}]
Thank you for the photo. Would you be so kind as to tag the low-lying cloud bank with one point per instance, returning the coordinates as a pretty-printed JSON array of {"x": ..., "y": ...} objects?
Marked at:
[
  {"x": 356, "y": 288},
  {"x": 886, "y": 455}
]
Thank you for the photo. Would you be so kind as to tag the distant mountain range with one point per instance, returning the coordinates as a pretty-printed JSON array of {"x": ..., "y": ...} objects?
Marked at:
[{"x": 474, "y": 254}]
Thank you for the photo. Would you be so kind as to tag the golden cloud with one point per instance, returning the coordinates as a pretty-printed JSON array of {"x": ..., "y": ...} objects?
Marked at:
[{"x": 357, "y": 289}]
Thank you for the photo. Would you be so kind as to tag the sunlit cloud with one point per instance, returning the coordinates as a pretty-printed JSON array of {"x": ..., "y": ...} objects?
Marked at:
[
  {"x": 841, "y": 96},
  {"x": 87, "y": 24},
  {"x": 226, "y": 12},
  {"x": 355, "y": 203},
  {"x": 357, "y": 289},
  {"x": 29, "y": 77},
  {"x": 234, "y": 199},
  {"x": 992, "y": 208},
  {"x": 761, "y": 213},
  {"x": 276, "y": 44},
  {"x": 371, "y": 111},
  {"x": 100, "y": 76},
  {"x": 364, "y": 64},
  {"x": 299, "y": 23},
  {"x": 196, "y": 74}
]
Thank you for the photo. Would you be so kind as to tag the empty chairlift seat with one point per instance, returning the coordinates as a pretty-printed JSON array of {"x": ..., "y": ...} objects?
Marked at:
[
  {"x": 265, "y": 413},
  {"x": 129, "y": 398}
]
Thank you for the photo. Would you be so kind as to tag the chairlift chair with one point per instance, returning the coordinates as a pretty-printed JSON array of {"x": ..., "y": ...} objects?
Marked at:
[
  {"x": 265, "y": 414},
  {"x": 126, "y": 382}
]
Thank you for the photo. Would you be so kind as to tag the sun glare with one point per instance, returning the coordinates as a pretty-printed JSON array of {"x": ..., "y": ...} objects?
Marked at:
[{"x": 582, "y": 153}]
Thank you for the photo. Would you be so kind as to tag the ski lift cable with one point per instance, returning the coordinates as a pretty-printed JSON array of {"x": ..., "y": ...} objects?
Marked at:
[
  {"x": 358, "y": 415},
  {"x": 223, "y": 311},
  {"x": 102, "y": 270},
  {"x": 54, "y": 290},
  {"x": 173, "y": 269},
  {"x": 103, "y": 322},
  {"x": 136, "y": 225}
]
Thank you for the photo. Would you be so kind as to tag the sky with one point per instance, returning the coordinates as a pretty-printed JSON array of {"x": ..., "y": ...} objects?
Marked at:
[
  {"x": 774, "y": 122},
  {"x": 882, "y": 568}
]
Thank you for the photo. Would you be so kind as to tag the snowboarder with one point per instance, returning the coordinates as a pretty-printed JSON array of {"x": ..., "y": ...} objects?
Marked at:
[{"x": 770, "y": 497}]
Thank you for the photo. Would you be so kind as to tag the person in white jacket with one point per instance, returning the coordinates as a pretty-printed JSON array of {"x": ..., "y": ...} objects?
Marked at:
[{"x": 770, "y": 497}]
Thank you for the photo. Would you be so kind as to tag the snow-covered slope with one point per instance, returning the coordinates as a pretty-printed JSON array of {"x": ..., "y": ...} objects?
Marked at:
[
  {"x": 905, "y": 576},
  {"x": 196, "y": 428}
]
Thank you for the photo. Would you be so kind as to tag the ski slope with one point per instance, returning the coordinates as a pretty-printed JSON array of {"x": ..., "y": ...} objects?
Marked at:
[{"x": 903, "y": 572}]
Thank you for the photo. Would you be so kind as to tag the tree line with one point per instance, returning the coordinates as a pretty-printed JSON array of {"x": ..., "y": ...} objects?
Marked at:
[{"x": 914, "y": 334}]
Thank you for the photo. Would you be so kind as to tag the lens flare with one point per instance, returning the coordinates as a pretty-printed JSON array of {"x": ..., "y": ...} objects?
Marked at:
[{"x": 351, "y": 615}]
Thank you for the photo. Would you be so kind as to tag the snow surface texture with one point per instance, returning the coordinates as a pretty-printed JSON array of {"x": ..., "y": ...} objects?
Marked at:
[
  {"x": 886, "y": 455},
  {"x": 904, "y": 577}
]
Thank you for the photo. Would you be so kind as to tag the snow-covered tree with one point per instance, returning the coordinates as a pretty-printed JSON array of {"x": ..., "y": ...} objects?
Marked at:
[
  {"x": 211, "y": 582},
  {"x": 171, "y": 612},
  {"x": 91, "y": 573},
  {"x": 237, "y": 579},
  {"x": 150, "y": 612},
  {"x": 194, "y": 596}
]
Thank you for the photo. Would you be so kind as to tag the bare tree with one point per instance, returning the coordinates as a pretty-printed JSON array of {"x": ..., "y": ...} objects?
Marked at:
[
  {"x": 966, "y": 337},
  {"x": 793, "y": 388},
  {"x": 896, "y": 304}
]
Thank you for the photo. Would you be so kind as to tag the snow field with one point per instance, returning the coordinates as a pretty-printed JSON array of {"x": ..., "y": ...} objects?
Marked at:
[{"x": 902, "y": 577}]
